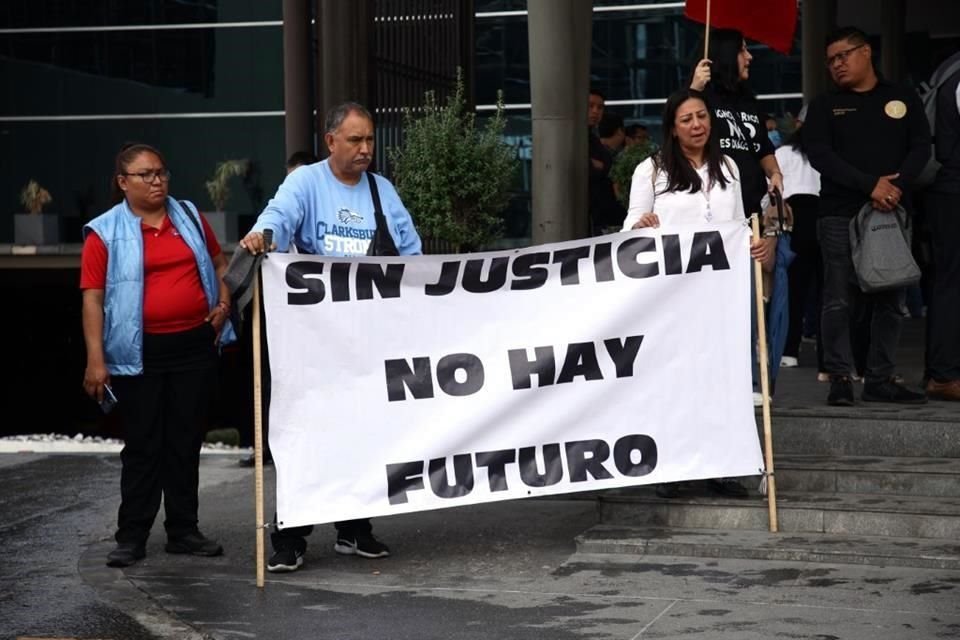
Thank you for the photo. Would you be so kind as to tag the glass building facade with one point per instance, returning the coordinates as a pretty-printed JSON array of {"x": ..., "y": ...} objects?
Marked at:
[
  {"x": 203, "y": 81},
  {"x": 641, "y": 52}
]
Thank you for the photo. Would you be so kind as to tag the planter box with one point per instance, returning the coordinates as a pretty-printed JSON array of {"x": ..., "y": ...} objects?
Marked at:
[
  {"x": 36, "y": 228},
  {"x": 224, "y": 224}
]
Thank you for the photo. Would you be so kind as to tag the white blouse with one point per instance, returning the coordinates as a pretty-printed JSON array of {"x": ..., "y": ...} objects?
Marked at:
[
  {"x": 682, "y": 207},
  {"x": 798, "y": 176}
]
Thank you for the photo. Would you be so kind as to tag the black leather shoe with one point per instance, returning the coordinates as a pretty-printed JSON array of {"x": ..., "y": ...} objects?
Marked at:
[
  {"x": 669, "y": 490},
  {"x": 729, "y": 487},
  {"x": 194, "y": 544},
  {"x": 841, "y": 392},
  {"x": 126, "y": 554},
  {"x": 891, "y": 391}
]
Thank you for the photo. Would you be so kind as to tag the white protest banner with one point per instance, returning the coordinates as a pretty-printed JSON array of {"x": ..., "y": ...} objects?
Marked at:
[{"x": 406, "y": 384}]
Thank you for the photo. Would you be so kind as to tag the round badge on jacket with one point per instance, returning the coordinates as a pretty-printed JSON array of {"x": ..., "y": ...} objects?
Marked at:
[{"x": 896, "y": 109}]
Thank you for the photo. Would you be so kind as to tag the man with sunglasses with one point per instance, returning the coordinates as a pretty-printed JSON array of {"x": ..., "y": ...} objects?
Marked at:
[{"x": 869, "y": 140}]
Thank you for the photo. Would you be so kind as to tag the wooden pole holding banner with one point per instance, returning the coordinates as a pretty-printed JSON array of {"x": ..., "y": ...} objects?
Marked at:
[
  {"x": 258, "y": 429},
  {"x": 258, "y": 418},
  {"x": 765, "y": 384},
  {"x": 706, "y": 34}
]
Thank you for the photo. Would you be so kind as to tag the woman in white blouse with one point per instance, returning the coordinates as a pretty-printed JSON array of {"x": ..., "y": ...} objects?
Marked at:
[{"x": 689, "y": 182}]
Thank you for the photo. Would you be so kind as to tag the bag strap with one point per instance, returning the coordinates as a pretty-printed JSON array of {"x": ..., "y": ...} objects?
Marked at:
[
  {"x": 382, "y": 233},
  {"x": 195, "y": 221}
]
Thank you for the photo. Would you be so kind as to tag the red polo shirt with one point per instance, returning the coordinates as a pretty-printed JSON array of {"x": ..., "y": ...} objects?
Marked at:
[{"x": 173, "y": 298}]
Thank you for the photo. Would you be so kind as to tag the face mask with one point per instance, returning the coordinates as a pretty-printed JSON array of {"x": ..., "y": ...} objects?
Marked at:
[{"x": 775, "y": 138}]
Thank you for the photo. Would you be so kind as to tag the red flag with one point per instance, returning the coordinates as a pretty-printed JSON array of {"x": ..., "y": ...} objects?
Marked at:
[{"x": 771, "y": 22}]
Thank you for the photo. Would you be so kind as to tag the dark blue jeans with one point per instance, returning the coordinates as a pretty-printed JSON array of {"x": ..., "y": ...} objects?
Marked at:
[{"x": 842, "y": 298}]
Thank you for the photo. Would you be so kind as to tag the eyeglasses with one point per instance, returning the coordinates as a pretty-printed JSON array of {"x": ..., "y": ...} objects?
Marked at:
[
  {"x": 842, "y": 56},
  {"x": 149, "y": 176}
]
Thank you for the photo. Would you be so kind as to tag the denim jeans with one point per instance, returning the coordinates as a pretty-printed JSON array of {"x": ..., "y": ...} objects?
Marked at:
[{"x": 842, "y": 298}]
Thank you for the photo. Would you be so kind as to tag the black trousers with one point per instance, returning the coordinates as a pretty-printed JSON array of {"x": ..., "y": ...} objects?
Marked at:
[
  {"x": 842, "y": 298},
  {"x": 943, "y": 312},
  {"x": 294, "y": 538},
  {"x": 164, "y": 415},
  {"x": 806, "y": 271}
]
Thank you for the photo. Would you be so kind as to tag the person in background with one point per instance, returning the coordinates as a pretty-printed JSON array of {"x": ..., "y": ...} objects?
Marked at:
[
  {"x": 943, "y": 331},
  {"x": 723, "y": 77},
  {"x": 690, "y": 181},
  {"x": 636, "y": 134},
  {"x": 154, "y": 309},
  {"x": 869, "y": 140},
  {"x": 296, "y": 160},
  {"x": 605, "y": 211},
  {"x": 773, "y": 132},
  {"x": 801, "y": 190},
  {"x": 611, "y": 132},
  {"x": 304, "y": 216},
  {"x": 737, "y": 120}
]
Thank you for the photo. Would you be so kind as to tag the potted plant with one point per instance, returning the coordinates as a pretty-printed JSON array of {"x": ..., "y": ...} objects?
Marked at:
[
  {"x": 224, "y": 223},
  {"x": 35, "y": 227},
  {"x": 453, "y": 177}
]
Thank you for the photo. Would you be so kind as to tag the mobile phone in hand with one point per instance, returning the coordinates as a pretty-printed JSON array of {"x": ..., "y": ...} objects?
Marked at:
[{"x": 109, "y": 400}]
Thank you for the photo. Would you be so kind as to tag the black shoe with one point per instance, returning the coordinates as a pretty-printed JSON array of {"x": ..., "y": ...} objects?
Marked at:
[
  {"x": 126, "y": 554},
  {"x": 841, "y": 392},
  {"x": 668, "y": 490},
  {"x": 285, "y": 561},
  {"x": 365, "y": 546},
  {"x": 729, "y": 487},
  {"x": 194, "y": 544},
  {"x": 891, "y": 391},
  {"x": 251, "y": 460}
]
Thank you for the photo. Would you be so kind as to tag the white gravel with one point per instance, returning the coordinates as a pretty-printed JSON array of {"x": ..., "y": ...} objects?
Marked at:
[{"x": 58, "y": 443}]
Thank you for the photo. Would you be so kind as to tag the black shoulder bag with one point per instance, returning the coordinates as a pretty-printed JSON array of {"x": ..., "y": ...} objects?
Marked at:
[{"x": 382, "y": 243}]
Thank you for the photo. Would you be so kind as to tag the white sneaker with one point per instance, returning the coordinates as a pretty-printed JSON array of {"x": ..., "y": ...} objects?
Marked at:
[
  {"x": 788, "y": 361},
  {"x": 758, "y": 399}
]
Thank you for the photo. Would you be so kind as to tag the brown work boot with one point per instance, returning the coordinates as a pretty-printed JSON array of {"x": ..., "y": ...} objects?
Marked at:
[{"x": 944, "y": 390}]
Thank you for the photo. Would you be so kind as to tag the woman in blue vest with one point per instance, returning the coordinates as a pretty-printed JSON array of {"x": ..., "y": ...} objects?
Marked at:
[{"x": 154, "y": 309}]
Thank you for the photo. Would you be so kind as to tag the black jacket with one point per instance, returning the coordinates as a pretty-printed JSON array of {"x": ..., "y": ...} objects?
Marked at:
[
  {"x": 947, "y": 137},
  {"x": 854, "y": 138}
]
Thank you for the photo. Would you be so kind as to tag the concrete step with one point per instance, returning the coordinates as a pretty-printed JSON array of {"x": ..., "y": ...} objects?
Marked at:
[
  {"x": 603, "y": 544},
  {"x": 864, "y": 433},
  {"x": 868, "y": 474},
  {"x": 855, "y": 514}
]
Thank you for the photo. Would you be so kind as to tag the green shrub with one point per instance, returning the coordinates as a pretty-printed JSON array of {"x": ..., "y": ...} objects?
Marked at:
[
  {"x": 453, "y": 177},
  {"x": 621, "y": 173}
]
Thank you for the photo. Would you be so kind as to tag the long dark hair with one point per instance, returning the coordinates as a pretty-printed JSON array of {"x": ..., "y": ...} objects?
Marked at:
[
  {"x": 725, "y": 46},
  {"x": 680, "y": 175},
  {"x": 796, "y": 140},
  {"x": 127, "y": 154}
]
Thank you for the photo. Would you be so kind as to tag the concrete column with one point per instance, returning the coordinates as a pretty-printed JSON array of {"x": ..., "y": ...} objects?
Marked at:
[
  {"x": 559, "y": 41},
  {"x": 893, "y": 17},
  {"x": 297, "y": 76},
  {"x": 344, "y": 32},
  {"x": 818, "y": 18}
]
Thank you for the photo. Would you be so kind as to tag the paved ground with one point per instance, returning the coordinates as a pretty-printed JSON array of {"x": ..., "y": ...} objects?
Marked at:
[
  {"x": 799, "y": 393},
  {"x": 505, "y": 570}
]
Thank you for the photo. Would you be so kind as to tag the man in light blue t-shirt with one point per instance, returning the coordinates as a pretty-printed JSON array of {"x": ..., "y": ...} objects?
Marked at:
[{"x": 327, "y": 208}]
